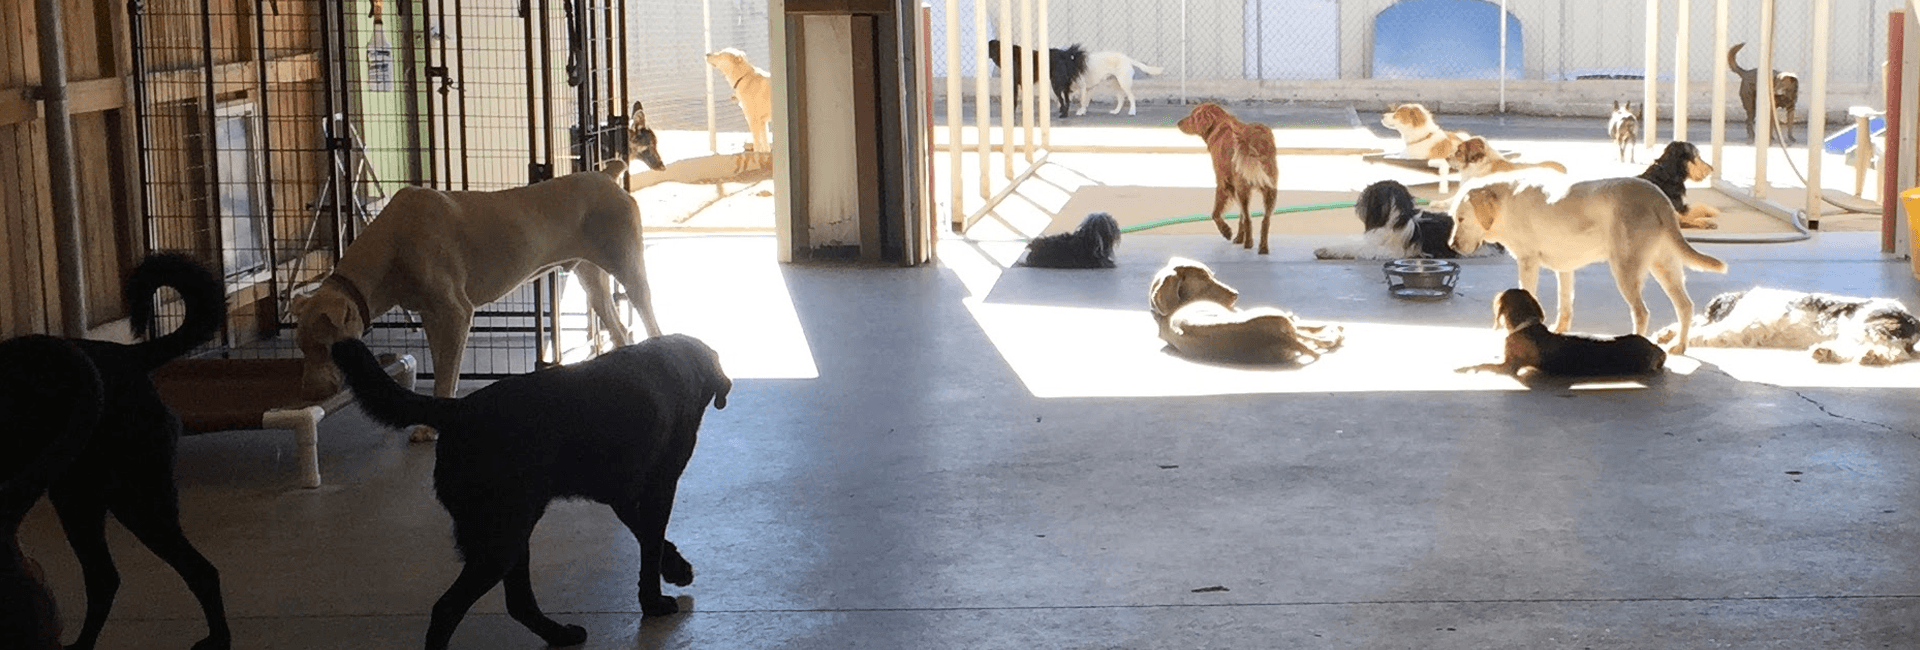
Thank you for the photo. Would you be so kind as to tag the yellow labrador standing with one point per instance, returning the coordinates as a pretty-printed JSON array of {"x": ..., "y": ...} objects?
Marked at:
[
  {"x": 752, "y": 89},
  {"x": 1544, "y": 220},
  {"x": 444, "y": 253}
]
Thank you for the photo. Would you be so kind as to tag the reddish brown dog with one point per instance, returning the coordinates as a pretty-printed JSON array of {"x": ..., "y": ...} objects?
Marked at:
[{"x": 1243, "y": 161}]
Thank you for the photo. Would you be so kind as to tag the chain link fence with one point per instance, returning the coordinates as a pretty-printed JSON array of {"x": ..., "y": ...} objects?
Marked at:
[
  {"x": 667, "y": 43},
  {"x": 1435, "y": 51}
]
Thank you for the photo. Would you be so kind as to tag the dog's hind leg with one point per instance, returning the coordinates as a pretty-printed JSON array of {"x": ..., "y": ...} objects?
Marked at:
[
  {"x": 523, "y": 608},
  {"x": 1631, "y": 283},
  {"x": 483, "y": 569},
  {"x": 1220, "y": 196},
  {"x": 600, "y": 297},
  {"x": 1672, "y": 277},
  {"x": 154, "y": 518},
  {"x": 630, "y": 270},
  {"x": 1563, "y": 311},
  {"x": 83, "y": 516},
  {"x": 1245, "y": 237},
  {"x": 1266, "y": 218},
  {"x": 1125, "y": 81}
]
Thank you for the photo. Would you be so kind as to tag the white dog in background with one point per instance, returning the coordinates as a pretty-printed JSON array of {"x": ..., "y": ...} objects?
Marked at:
[
  {"x": 1544, "y": 220},
  {"x": 1834, "y": 329},
  {"x": 443, "y": 254},
  {"x": 752, "y": 89},
  {"x": 1119, "y": 67}
]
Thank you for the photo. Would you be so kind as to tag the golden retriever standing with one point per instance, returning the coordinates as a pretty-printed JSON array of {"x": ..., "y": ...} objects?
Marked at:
[
  {"x": 1544, "y": 220},
  {"x": 1475, "y": 158},
  {"x": 1196, "y": 314},
  {"x": 752, "y": 89},
  {"x": 1424, "y": 138},
  {"x": 1243, "y": 161}
]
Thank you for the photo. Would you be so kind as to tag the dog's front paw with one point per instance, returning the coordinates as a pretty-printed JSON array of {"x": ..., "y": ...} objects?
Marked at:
[
  {"x": 1678, "y": 348},
  {"x": 658, "y": 605},
  {"x": 570, "y": 635},
  {"x": 220, "y": 642},
  {"x": 1824, "y": 354},
  {"x": 1665, "y": 335},
  {"x": 676, "y": 570},
  {"x": 423, "y": 433}
]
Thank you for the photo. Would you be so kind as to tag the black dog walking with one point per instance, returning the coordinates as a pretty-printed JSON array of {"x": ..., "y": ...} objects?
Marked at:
[{"x": 617, "y": 430}]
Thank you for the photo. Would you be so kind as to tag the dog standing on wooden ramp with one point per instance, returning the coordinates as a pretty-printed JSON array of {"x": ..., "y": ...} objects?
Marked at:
[{"x": 617, "y": 429}]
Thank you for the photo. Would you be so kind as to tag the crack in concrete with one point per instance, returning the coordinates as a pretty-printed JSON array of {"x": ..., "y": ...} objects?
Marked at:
[{"x": 1823, "y": 407}]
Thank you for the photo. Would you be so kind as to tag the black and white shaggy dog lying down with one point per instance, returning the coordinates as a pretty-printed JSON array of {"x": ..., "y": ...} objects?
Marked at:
[
  {"x": 1532, "y": 349},
  {"x": 1198, "y": 319},
  {"x": 1395, "y": 229},
  {"x": 1834, "y": 329},
  {"x": 1090, "y": 246},
  {"x": 618, "y": 430}
]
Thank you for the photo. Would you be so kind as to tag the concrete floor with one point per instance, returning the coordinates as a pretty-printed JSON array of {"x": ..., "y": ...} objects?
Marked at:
[{"x": 974, "y": 456}]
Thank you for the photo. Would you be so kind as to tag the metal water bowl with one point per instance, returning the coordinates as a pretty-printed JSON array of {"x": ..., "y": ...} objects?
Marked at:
[{"x": 1421, "y": 279}]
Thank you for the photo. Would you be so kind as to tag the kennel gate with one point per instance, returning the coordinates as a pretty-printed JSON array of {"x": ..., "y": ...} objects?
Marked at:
[{"x": 269, "y": 132}]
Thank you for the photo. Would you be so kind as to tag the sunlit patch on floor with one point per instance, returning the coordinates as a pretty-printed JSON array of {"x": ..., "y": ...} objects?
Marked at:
[{"x": 736, "y": 302}]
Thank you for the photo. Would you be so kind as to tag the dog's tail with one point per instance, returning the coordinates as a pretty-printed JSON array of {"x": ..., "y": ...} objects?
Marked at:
[
  {"x": 1149, "y": 69},
  {"x": 382, "y": 398},
  {"x": 1733, "y": 59},
  {"x": 47, "y": 370},
  {"x": 1697, "y": 260},
  {"x": 203, "y": 295}
]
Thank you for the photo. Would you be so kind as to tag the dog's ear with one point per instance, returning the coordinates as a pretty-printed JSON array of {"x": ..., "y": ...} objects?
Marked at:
[
  {"x": 718, "y": 382},
  {"x": 1163, "y": 295},
  {"x": 1487, "y": 206}
]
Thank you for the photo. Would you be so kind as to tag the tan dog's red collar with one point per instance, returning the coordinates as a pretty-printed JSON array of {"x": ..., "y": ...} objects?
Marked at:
[{"x": 359, "y": 299}]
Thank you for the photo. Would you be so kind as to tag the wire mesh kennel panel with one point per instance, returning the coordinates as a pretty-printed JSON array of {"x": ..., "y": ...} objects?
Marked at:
[{"x": 272, "y": 133}]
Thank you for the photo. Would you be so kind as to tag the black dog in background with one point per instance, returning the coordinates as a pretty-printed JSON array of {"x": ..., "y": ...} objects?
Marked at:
[
  {"x": 617, "y": 430},
  {"x": 1090, "y": 246},
  {"x": 1678, "y": 163},
  {"x": 50, "y": 400},
  {"x": 127, "y": 466},
  {"x": 1065, "y": 65},
  {"x": 1533, "y": 349}
]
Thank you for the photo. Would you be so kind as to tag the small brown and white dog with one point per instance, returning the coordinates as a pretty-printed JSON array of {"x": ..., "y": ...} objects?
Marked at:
[
  {"x": 1197, "y": 317},
  {"x": 1243, "y": 161},
  {"x": 1786, "y": 93},
  {"x": 1424, "y": 138},
  {"x": 1533, "y": 350},
  {"x": 1834, "y": 329},
  {"x": 443, "y": 254},
  {"x": 752, "y": 89},
  {"x": 1475, "y": 158},
  {"x": 1545, "y": 220},
  {"x": 1624, "y": 126},
  {"x": 1104, "y": 65}
]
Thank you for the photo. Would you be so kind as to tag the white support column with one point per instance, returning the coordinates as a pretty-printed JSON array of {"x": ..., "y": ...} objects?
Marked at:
[
  {"x": 1006, "y": 86},
  {"x": 982, "y": 124},
  {"x": 1718, "y": 121},
  {"x": 1649, "y": 85},
  {"x": 1817, "y": 106},
  {"x": 956, "y": 187},
  {"x": 1682, "y": 76},
  {"x": 1763, "y": 101},
  {"x": 1046, "y": 81},
  {"x": 706, "y": 41},
  {"x": 1037, "y": 60}
]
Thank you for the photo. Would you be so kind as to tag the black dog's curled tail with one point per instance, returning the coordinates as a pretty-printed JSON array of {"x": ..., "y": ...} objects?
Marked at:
[
  {"x": 201, "y": 291},
  {"x": 382, "y": 398}
]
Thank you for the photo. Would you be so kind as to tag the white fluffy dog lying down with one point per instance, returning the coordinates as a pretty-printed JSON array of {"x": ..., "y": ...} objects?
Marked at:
[
  {"x": 1197, "y": 317},
  {"x": 1834, "y": 329}
]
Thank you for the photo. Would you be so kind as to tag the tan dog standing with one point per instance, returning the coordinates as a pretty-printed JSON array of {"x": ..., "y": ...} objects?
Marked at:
[
  {"x": 443, "y": 254},
  {"x": 1475, "y": 158},
  {"x": 1243, "y": 161},
  {"x": 752, "y": 89},
  {"x": 1544, "y": 220}
]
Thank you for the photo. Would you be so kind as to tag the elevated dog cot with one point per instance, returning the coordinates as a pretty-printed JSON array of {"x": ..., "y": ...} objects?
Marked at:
[{"x": 239, "y": 394}]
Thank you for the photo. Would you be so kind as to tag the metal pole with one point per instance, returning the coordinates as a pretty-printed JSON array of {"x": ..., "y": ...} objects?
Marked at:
[
  {"x": 1682, "y": 78},
  {"x": 1649, "y": 91},
  {"x": 706, "y": 36},
  {"x": 1763, "y": 101},
  {"x": 956, "y": 191},
  {"x": 60, "y": 170},
  {"x": 1718, "y": 120},
  {"x": 1817, "y": 109},
  {"x": 1503, "y": 56}
]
